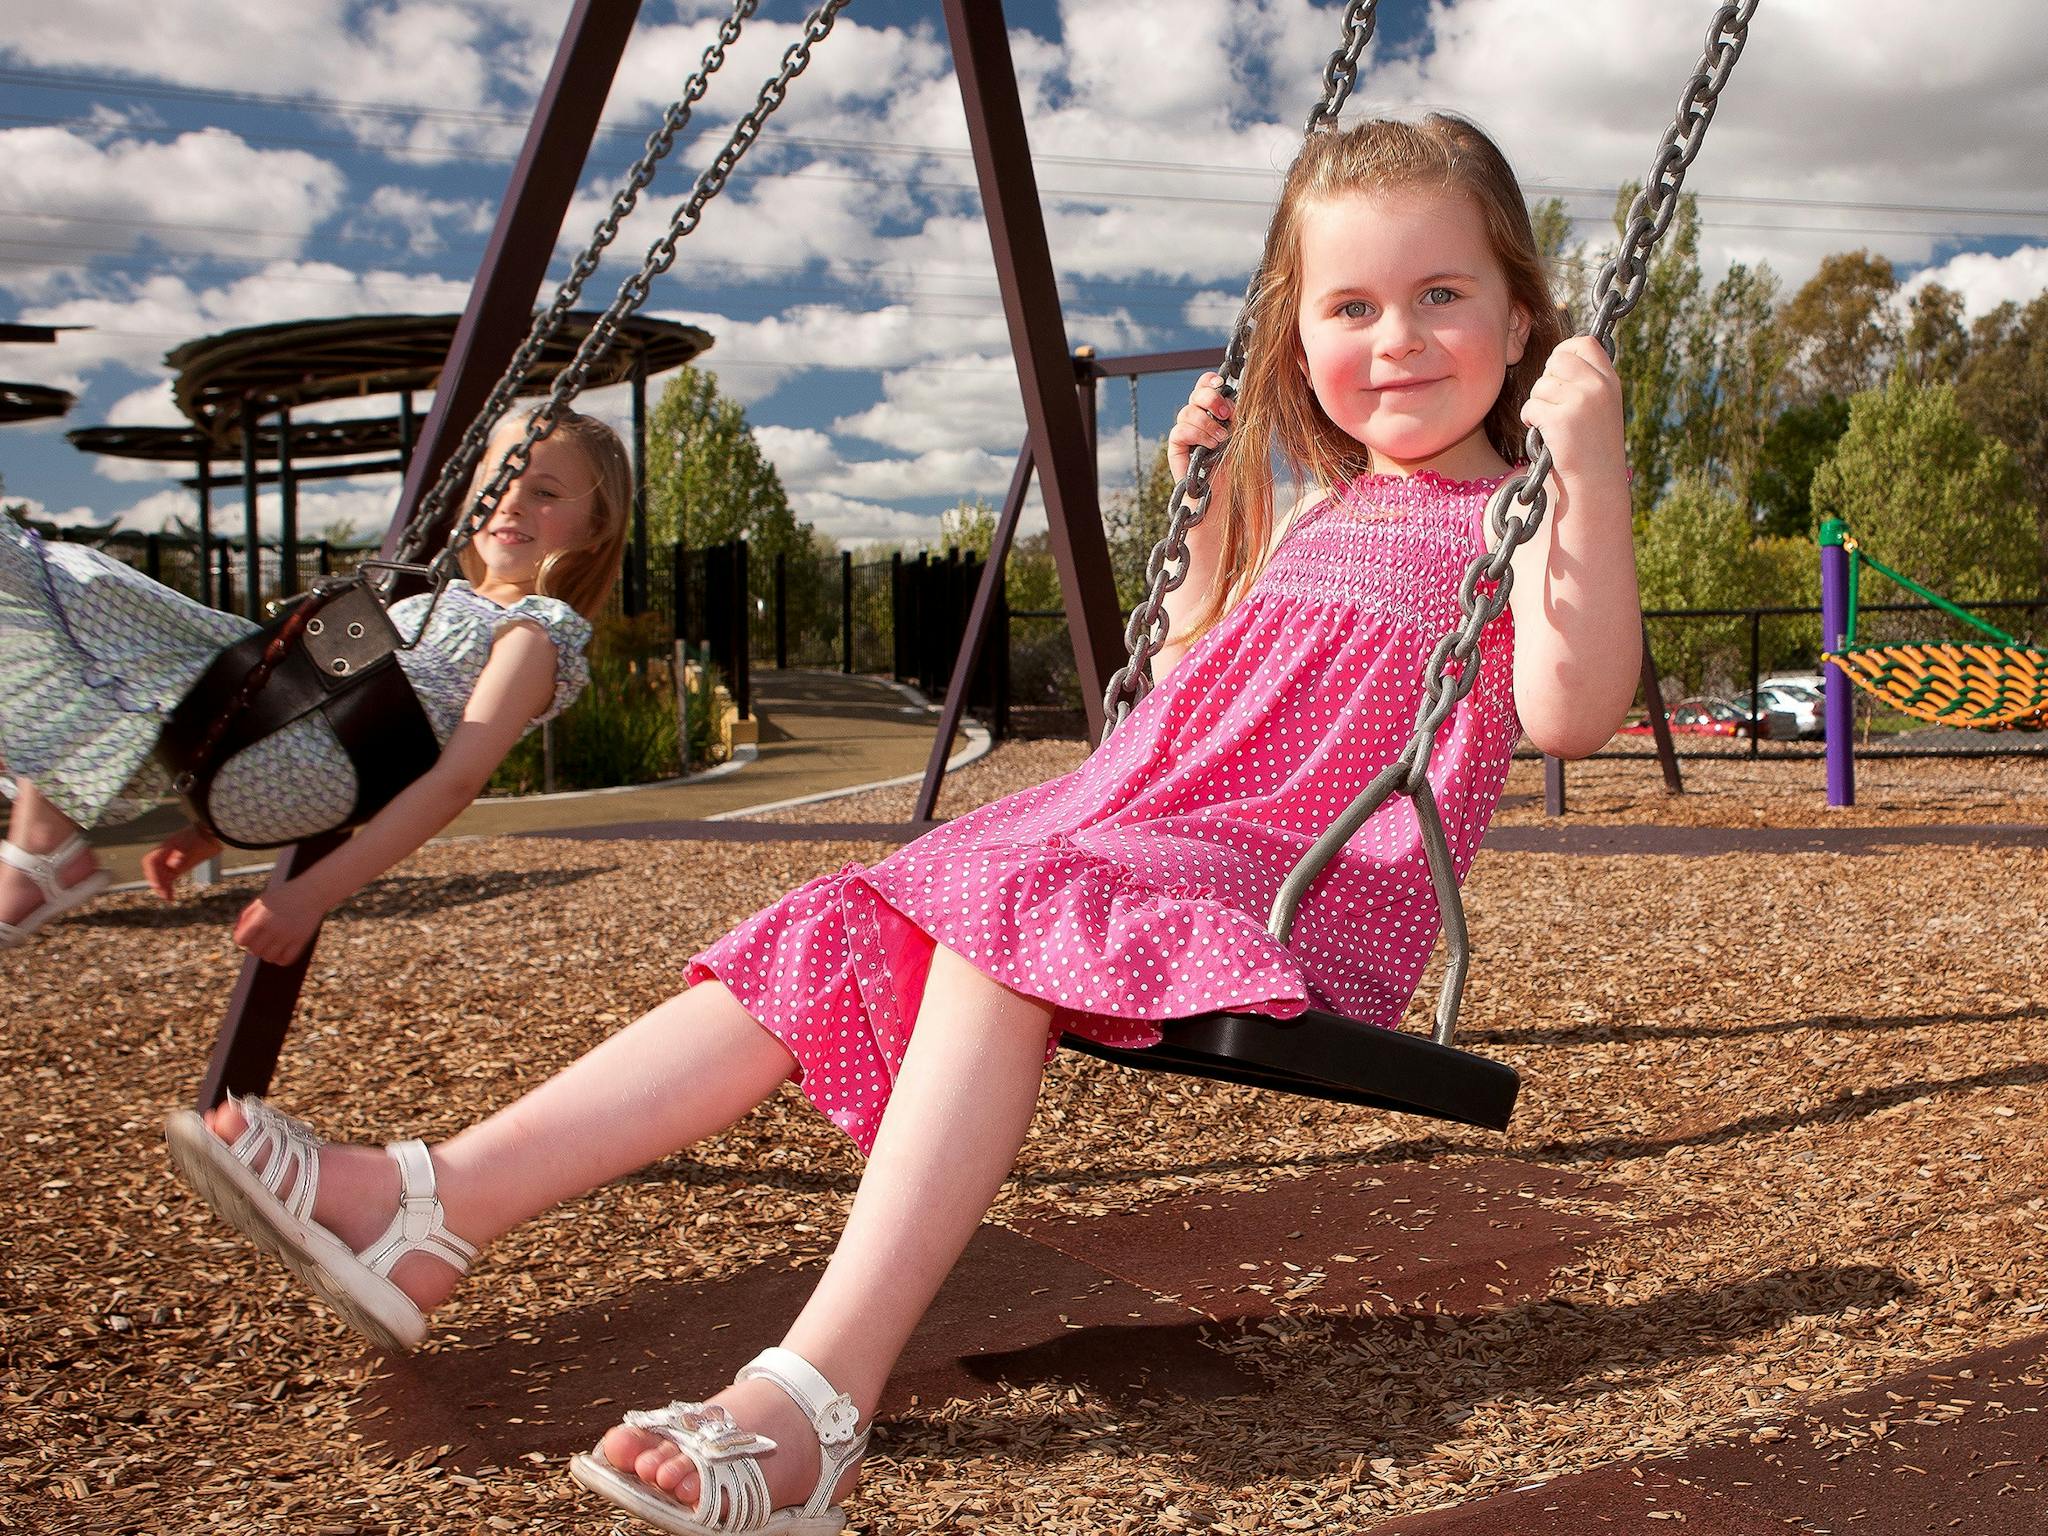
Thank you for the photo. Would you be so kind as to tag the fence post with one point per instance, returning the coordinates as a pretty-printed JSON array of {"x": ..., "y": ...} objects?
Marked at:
[
  {"x": 152, "y": 557},
  {"x": 742, "y": 691},
  {"x": 782, "y": 610},
  {"x": 846, "y": 611},
  {"x": 1837, "y": 703},
  {"x": 1756, "y": 633},
  {"x": 899, "y": 627}
]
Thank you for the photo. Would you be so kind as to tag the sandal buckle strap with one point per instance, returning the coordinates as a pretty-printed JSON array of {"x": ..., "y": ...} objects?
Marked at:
[
  {"x": 418, "y": 1225},
  {"x": 831, "y": 1412}
]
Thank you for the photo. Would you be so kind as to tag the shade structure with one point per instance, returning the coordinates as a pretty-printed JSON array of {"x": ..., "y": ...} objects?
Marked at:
[
  {"x": 33, "y": 402},
  {"x": 183, "y": 445},
  {"x": 302, "y": 362}
]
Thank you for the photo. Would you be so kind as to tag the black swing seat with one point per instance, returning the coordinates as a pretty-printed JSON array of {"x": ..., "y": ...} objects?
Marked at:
[
  {"x": 1327, "y": 1056},
  {"x": 340, "y": 662}
]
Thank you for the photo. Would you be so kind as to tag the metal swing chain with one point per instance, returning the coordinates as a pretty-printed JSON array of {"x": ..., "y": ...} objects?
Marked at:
[
  {"x": 455, "y": 472},
  {"x": 1167, "y": 567},
  {"x": 1649, "y": 215},
  {"x": 634, "y": 290}
]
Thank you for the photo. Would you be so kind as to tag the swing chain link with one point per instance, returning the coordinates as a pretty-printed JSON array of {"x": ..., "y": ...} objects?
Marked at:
[
  {"x": 633, "y": 291},
  {"x": 1167, "y": 566},
  {"x": 461, "y": 464},
  {"x": 1649, "y": 215}
]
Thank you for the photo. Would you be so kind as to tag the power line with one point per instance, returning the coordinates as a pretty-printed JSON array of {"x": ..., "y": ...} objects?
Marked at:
[{"x": 487, "y": 117}]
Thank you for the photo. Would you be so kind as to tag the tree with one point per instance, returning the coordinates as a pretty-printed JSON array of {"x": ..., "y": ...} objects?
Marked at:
[
  {"x": 1694, "y": 551},
  {"x": 1794, "y": 446},
  {"x": 1930, "y": 495},
  {"x": 707, "y": 479},
  {"x": 1564, "y": 259},
  {"x": 1936, "y": 345},
  {"x": 1134, "y": 523},
  {"x": 1656, "y": 351},
  {"x": 1840, "y": 326},
  {"x": 1730, "y": 381},
  {"x": 2004, "y": 391}
]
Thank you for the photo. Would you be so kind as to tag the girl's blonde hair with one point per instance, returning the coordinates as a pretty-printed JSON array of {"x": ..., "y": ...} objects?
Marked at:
[
  {"x": 1277, "y": 412},
  {"x": 582, "y": 576}
]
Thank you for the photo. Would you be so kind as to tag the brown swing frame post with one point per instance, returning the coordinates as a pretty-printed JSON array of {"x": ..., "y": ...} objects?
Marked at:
[{"x": 259, "y": 1012}]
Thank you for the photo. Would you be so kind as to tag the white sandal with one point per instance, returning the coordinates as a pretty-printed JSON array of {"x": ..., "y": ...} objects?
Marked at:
[
  {"x": 241, "y": 1183},
  {"x": 733, "y": 1492},
  {"x": 58, "y": 898}
]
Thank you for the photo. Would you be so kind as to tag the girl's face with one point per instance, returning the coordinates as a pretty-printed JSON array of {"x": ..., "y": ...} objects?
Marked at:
[
  {"x": 546, "y": 510},
  {"x": 1407, "y": 327}
]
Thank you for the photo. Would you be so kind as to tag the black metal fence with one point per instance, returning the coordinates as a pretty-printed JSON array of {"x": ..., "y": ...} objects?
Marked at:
[
  {"x": 222, "y": 579},
  {"x": 906, "y": 618}
]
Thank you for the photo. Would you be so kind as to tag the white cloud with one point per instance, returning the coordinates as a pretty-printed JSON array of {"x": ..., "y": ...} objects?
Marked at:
[
  {"x": 420, "y": 218},
  {"x": 1986, "y": 281},
  {"x": 132, "y": 325},
  {"x": 853, "y": 522},
  {"x": 970, "y": 403},
  {"x": 76, "y": 194}
]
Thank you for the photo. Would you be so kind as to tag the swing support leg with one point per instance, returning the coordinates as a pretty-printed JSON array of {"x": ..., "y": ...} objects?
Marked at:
[{"x": 496, "y": 319}]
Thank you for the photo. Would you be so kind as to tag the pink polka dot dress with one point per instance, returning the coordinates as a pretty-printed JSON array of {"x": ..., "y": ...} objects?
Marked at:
[{"x": 1136, "y": 888}]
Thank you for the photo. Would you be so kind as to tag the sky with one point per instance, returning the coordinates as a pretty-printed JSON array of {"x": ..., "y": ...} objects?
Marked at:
[{"x": 172, "y": 171}]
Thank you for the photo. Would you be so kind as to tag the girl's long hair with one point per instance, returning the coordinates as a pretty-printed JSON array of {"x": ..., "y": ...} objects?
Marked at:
[
  {"x": 1277, "y": 414},
  {"x": 582, "y": 576}
]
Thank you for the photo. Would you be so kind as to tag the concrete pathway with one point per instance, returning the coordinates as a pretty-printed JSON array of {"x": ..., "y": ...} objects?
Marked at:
[{"x": 819, "y": 731}]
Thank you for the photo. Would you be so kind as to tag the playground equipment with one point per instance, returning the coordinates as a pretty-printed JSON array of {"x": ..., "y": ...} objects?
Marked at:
[
  {"x": 1318, "y": 1054},
  {"x": 1977, "y": 686}
]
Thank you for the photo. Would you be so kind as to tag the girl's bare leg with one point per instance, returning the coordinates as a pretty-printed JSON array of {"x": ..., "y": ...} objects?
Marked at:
[
  {"x": 36, "y": 826},
  {"x": 956, "y": 1118},
  {"x": 685, "y": 1071}
]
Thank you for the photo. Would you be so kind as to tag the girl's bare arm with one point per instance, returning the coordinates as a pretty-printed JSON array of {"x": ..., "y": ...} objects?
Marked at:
[
  {"x": 516, "y": 684},
  {"x": 1578, "y": 615}
]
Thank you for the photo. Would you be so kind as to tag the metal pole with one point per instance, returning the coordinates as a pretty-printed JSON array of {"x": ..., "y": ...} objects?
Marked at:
[
  {"x": 846, "y": 610},
  {"x": 1045, "y": 368},
  {"x": 288, "y": 508},
  {"x": 1838, "y": 706},
  {"x": 1756, "y": 717},
  {"x": 637, "y": 590},
  {"x": 782, "y": 610},
  {"x": 988, "y": 597},
  {"x": 1553, "y": 785},
  {"x": 499, "y": 312},
  {"x": 252, "y": 552},
  {"x": 408, "y": 429},
  {"x": 206, "y": 526},
  {"x": 501, "y": 303}
]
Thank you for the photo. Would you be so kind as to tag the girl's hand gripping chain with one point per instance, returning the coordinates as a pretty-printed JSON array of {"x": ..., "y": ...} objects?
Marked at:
[
  {"x": 1576, "y": 405},
  {"x": 1203, "y": 422}
]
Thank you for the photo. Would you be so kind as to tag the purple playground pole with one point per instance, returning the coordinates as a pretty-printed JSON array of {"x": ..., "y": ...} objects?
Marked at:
[{"x": 1834, "y": 621}]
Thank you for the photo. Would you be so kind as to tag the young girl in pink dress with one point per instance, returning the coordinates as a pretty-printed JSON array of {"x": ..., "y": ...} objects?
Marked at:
[{"x": 1403, "y": 338}]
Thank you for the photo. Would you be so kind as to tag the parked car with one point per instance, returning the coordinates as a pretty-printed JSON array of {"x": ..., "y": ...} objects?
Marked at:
[
  {"x": 1813, "y": 682},
  {"x": 1703, "y": 715},
  {"x": 1802, "y": 704}
]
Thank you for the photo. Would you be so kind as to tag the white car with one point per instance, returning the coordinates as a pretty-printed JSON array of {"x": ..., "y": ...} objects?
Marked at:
[{"x": 1785, "y": 698}]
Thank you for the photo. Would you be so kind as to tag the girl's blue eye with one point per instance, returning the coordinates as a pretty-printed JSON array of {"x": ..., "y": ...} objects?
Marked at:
[
  {"x": 1441, "y": 295},
  {"x": 1356, "y": 309}
]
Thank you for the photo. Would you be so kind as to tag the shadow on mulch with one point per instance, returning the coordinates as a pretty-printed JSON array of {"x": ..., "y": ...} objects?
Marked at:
[
  {"x": 1413, "y": 1236},
  {"x": 1843, "y": 1023},
  {"x": 392, "y": 896},
  {"x": 1013, "y": 1312}
]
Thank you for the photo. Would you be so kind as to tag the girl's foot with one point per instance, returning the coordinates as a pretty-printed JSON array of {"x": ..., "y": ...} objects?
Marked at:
[
  {"x": 758, "y": 1406},
  {"x": 355, "y": 1198},
  {"x": 782, "y": 1446},
  {"x": 38, "y": 884}
]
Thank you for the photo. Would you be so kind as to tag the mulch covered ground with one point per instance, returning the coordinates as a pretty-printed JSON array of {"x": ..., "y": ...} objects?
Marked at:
[{"x": 1775, "y": 1181}]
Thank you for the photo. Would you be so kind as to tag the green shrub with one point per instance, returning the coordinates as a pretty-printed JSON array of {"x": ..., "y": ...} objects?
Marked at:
[{"x": 622, "y": 730}]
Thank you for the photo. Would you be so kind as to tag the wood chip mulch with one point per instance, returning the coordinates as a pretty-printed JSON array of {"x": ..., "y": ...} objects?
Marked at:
[{"x": 1789, "y": 1104}]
